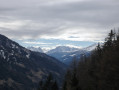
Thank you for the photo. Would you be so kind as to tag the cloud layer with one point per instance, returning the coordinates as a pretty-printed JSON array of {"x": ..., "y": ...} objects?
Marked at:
[{"x": 76, "y": 20}]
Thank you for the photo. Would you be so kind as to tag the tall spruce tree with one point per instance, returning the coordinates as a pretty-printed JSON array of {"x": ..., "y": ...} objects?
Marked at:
[{"x": 48, "y": 84}]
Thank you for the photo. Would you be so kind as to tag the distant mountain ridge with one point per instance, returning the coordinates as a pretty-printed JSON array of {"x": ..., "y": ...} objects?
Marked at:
[
  {"x": 36, "y": 49},
  {"x": 65, "y": 54},
  {"x": 63, "y": 49},
  {"x": 91, "y": 47},
  {"x": 21, "y": 69}
]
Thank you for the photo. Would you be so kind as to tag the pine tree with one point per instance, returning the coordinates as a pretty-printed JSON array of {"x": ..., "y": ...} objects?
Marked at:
[
  {"x": 48, "y": 84},
  {"x": 64, "y": 85},
  {"x": 55, "y": 86},
  {"x": 40, "y": 85}
]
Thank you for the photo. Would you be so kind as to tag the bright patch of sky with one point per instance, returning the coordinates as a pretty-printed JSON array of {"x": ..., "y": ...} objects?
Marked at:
[{"x": 52, "y": 43}]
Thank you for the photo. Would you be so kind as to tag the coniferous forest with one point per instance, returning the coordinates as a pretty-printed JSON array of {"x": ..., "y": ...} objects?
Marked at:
[{"x": 99, "y": 71}]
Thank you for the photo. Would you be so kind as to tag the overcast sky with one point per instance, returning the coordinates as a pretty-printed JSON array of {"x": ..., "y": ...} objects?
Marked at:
[{"x": 47, "y": 23}]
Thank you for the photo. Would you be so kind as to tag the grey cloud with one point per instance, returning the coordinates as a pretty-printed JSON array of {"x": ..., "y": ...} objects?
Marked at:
[
  {"x": 59, "y": 16},
  {"x": 28, "y": 33}
]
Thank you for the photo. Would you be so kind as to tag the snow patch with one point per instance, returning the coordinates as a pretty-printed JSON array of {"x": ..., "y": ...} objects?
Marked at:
[
  {"x": 72, "y": 55},
  {"x": 2, "y": 54},
  {"x": 28, "y": 55}
]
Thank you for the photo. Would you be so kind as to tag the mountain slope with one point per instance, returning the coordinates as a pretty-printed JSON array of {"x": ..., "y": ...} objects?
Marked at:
[
  {"x": 66, "y": 54},
  {"x": 91, "y": 47},
  {"x": 21, "y": 69},
  {"x": 61, "y": 51}
]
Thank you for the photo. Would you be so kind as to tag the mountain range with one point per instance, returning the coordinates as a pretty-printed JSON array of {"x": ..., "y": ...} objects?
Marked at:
[
  {"x": 65, "y": 54},
  {"x": 22, "y": 69}
]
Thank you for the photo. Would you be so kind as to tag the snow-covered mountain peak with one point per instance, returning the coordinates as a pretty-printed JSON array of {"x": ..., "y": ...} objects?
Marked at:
[
  {"x": 63, "y": 49},
  {"x": 91, "y": 47},
  {"x": 36, "y": 49},
  {"x": 66, "y": 49}
]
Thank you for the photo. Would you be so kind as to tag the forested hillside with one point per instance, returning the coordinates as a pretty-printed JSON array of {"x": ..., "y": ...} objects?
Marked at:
[
  {"x": 99, "y": 71},
  {"x": 21, "y": 69}
]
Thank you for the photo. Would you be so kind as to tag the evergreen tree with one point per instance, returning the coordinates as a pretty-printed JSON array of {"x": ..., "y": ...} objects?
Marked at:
[
  {"x": 71, "y": 80},
  {"x": 49, "y": 84},
  {"x": 55, "y": 86},
  {"x": 40, "y": 85},
  {"x": 64, "y": 85}
]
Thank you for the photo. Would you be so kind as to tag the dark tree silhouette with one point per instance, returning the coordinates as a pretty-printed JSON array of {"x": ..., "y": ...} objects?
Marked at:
[
  {"x": 49, "y": 84},
  {"x": 99, "y": 71}
]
